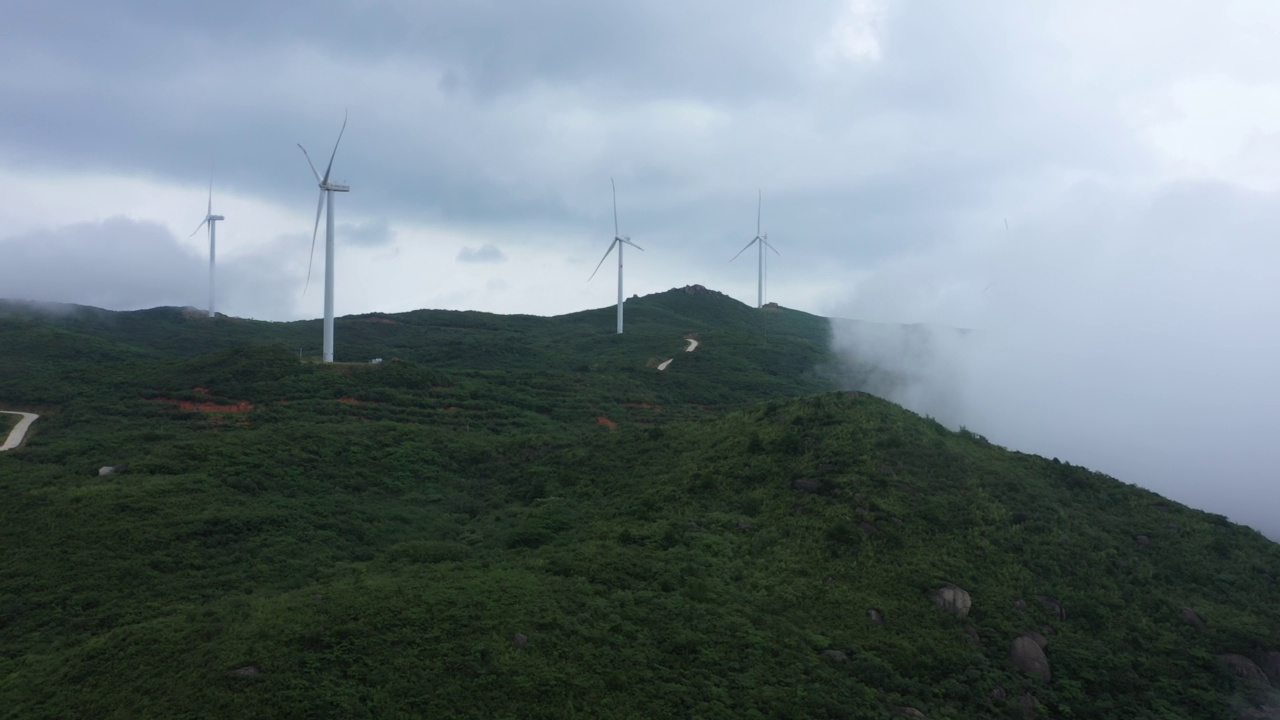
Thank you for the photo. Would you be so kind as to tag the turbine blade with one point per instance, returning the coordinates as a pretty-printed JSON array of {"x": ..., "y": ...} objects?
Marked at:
[
  {"x": 335, "y": 146},
  {"x": 312, "y": 257},
  {"x": 627, "y": 240},
  {"x": 759, "y": 203},
  {"x": 606, "y": 257},
  {"x": 774, "y": 249},
  {"x": 313, "y": 166},
  {"x": 753, "y": 240},
  {"x": 193, "y": 232},
  {"x": 615, "y": 207}
]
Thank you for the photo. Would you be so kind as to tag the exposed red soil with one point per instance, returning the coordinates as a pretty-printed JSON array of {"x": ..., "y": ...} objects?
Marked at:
[
  {"x": 452, "y": 408},
  {"x": 607, "y": 422},
  {"x": 643, "y": 405},
  {"x": 349, "y": 401},
  {"x": 242, "y": 406}
]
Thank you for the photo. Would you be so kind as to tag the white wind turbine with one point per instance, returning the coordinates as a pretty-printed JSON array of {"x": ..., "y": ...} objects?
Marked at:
[
  {"x": 761, "y": 241},
  {"x": 618, "y": 241},
  {"x": 327, "y": 189},
  {"x": 211, "y": 220}
]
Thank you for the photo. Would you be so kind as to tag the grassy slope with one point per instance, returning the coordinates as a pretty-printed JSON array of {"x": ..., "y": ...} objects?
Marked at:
[
  {"x": 7, "y": 422},
  {"x": 376, "y": 557}
]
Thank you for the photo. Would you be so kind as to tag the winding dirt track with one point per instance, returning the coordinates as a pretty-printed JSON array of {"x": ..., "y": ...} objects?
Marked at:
[
  {"x": 19, "y": 431},
  {"x": 693, "y": 345}
]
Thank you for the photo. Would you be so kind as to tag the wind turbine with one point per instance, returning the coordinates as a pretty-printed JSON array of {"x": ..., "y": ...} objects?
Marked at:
[
  {"x": 211, "y": 220},
  {"x": 761, "y": 241},
  {"x": 327, "y": 189},
  {"x": 618, "y": 240}
]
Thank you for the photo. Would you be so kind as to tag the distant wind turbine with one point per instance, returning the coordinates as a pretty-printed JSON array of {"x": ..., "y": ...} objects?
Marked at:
[
  {"x": 327, "y": 189},
  {"x": 618, "y": 240},
  {"x": 211, "y": 220},
  {"x": 761, "y": 241}
]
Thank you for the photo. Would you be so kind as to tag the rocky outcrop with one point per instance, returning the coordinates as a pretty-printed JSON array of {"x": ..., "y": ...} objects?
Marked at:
[
  {"x": 696, "y": 290},
  {"x": 951, "y": 599},
  {"x": 1265, "y": 712},
  {"x": 247, "y": 671},
  {"x": 910, "y": 712},
  {"x": 1029, "y": 657},
  {"x": 808, "y": 486},
  {"x": 1243, "y": 667},
  {"x": 971, "y": 632},
  {"x": 1029, "y": 705},
  {"x": 1192, "y": 617},
  {"x": 876, "y": 616},
  {"x": 1271, "y": 667},
  {"x": 835, "y": 655},
  {"x": 520, "y": 640},
  {"x": 1053, "y": 606}
]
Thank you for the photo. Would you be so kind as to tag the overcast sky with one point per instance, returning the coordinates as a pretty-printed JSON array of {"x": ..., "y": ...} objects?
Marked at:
[{"x": 1092, "y": 184}]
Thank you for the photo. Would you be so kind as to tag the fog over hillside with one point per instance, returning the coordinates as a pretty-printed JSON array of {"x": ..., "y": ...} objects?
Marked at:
[{"x": 1144, "y": 347}]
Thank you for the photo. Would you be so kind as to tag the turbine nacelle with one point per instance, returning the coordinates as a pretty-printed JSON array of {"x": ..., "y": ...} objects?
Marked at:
[
  {"x": 210, "y": 221},
  {"x": 762, "y": 241},
  {"x": 326, "y": 187},
  {"x": 618, "y": 241}
]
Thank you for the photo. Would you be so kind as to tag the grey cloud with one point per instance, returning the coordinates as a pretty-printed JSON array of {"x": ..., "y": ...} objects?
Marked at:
[
  {"x": 945, "y": 120},
  {"x": 119, "y": 264},
  {"x": 375, "y": 233},
  {"x": 487, "y": 253},
  {"x": 124, "y": 264}
]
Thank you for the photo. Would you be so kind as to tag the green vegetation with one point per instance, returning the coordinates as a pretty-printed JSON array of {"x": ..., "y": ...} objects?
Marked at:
[
  {"x": 457, "y": 533},
  {"x": 7, "y": 422}
]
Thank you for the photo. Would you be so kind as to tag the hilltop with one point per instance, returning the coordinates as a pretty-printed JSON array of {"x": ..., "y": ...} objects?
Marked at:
[{"x": 515, "y": 516}]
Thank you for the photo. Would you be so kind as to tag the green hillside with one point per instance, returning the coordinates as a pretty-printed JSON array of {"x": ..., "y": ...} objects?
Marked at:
[{"x": 521, "y": 517}]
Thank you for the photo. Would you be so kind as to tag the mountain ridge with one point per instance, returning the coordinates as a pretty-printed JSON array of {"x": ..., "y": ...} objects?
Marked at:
[{"x": 459, "y": 531}]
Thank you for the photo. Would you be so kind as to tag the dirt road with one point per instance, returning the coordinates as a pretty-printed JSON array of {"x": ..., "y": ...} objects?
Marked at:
[{"x": 19, "y": 431}]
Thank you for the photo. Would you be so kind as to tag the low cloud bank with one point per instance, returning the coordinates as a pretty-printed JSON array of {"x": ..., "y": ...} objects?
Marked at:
[
  {"x": 1146, "y": 349},
  {"x": 125, "y": 264}
]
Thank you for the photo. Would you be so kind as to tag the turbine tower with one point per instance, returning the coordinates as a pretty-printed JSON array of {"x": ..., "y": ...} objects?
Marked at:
[
  {"x": 327, "y": 189},
  {"x": 761, "y": 241},
  {"x": 618, "y": 240},
  {"x": 211, "y": 220}
]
